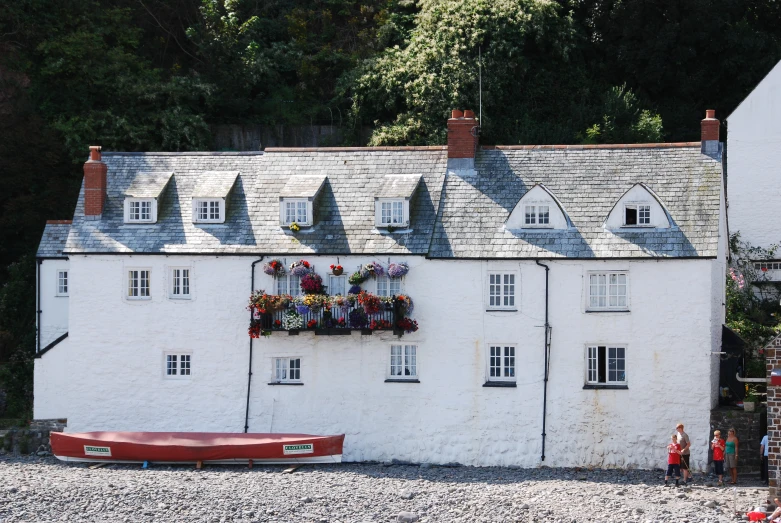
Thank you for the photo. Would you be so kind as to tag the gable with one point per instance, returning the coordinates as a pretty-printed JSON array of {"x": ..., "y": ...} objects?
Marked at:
[
  {"x": 759, "y": 115},
  {"x": 638, "y": 196},
  {"x": 538, "y": 196}
]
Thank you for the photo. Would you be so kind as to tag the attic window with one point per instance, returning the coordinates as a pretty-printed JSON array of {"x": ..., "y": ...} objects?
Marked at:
[
  {"x": 392, "y": 212},
  {"x": 295, "y": 211},
  {"x": 208, "y": 210},
  {"x": 536, "y": 215},
  {"x": 140, "y": 210},
  {"x": 637, "y": 215}
]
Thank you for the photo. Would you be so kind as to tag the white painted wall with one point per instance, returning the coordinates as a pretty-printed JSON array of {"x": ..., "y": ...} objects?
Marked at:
[
  {"x": 109, "y": 375},
  {"x": 54, "y": 307},
  {"x": 754, "y": 164}
]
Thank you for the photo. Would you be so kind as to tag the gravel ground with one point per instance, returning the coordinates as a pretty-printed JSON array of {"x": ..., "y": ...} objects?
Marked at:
[{"x": 44, "y": 489}]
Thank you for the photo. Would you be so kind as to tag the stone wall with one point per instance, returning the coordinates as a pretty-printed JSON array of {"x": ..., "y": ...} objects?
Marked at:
[
  {"x": 773, "y": 360},
  {"x": 749, "y": 431},
  {"x": 32, "y": 440}
]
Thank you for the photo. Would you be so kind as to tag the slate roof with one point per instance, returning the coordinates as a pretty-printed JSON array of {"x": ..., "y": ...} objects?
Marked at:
[
  {"x": 55, "y": 234},
  {"x": 464, "y": 221},
  {"x": 398, "y": 186},
  {"x": 214, "y": 184},
  {"x": 303, "y": 186},
  {"x": 588, "y": 181},
  {"x": 148, "y": 185}
]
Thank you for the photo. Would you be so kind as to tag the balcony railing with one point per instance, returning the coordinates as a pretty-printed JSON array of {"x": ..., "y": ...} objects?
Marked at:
[{"x": 333, "y": 319}]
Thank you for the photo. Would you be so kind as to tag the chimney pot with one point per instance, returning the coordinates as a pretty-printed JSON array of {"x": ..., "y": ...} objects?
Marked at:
[
  {"x": 94, "y": 153},
  {"x": 710, "y": 113},
  {"x": 94, "y": 183},
  {"x": 462, "y": 132},
  {"x": 455, "y": 113},
  {"x": 469, "y": 114}
]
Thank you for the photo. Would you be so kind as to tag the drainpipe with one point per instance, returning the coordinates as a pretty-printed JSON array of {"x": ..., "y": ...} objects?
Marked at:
[
  {"x": 249, "y": 370},
  {"x": 38, "y": 308},
  {"x": 546, "y": 350}
]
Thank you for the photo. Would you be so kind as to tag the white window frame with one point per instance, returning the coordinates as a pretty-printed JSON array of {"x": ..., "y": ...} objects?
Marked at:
[
  {"x": 183, "y": 361},
  {"x": 592, "y": 367},
  {"x": 62, "y": 290},
  {"x": 608, "y": 288},
  {"x": 533, "y": 216},
  {"x": 387, "y": 286},
  {"x": 172, "y": 281},
  {"x": 638, "y": 207},
  {"x": 209, "y": 202},
  {"x": 289, "y": 280},
  {"x": 297, "y": 202},
  {"x": 140, "y": 279},
  {"x": 342, "y": 279},
  {"x": 152, "y": 210},
  {"x": 511, "y": 303},
  {"x": 507, "y": 354},
  {"x": 391, "y": 218},
  {"x": 403, "y": 358},
  {"x": 281, "y": 369}
]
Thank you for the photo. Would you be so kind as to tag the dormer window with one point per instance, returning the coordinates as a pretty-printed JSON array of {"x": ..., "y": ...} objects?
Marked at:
[
  {"x": 296, "y": 211},
  {"x": 211, "y": 210},
  {"x": 392, "y": 212},
  {"x": 537, "y": 215},
  {"x": 143, "y": 196},
  {"x": 210, "y": 195},
  {"x": 392, "y": 201},
  {"x": 637, "y": 214}
]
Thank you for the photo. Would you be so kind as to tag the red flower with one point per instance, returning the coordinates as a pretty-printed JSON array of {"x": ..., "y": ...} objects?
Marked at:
[
  {"x": 306, "y": 263},
  {"x": 764, "y": 269},
  {"x": 311, "y": 323},
  {"x": 277, "y": 323}
]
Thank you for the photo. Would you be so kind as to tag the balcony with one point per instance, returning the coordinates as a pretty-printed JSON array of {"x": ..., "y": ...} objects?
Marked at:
[{"x": 330, "y": 315}]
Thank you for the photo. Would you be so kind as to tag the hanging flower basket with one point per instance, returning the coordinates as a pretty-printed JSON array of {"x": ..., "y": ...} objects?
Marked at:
[
  {"x": 372, "y": 270},
  {"x": 337, "y": 270},
  {"x": 312, "y": 283},
  {"x": 274, "y": 268},
  {"x": 300, "y": 268},
  {"x": 397, "y": 270},
  {"x": 405, "y": 304},
  {"x": 355, "y": 289},
  {"x": 292, "y": 320},
  {"x": 407, "y": 325},
  {"x": 371, "y": 304},
  {"x": 356, "y": 278}
]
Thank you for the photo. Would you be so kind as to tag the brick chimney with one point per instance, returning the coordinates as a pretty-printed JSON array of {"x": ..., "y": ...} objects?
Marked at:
[
  {"x": 462, "y": 133},
  {"x": 710, "y": 133},
  {"x": 94, "y": 184}
]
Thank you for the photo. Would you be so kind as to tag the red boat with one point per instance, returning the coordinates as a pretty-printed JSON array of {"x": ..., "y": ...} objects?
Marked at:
[{"x": 194, "y": 447}]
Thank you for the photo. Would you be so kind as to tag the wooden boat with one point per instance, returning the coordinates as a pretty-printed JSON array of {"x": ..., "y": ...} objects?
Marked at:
[{"x": 194, "y": 447}]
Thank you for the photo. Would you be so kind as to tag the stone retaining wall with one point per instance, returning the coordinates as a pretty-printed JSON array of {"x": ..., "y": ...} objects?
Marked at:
[{"x": 32, "y": 440}]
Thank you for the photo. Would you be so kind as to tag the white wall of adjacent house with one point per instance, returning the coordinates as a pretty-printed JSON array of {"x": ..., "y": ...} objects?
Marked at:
[
  {"x": 754, "y": 164},
  {"x": 113, "y": 376},
  {"x": 54, "y": 302}
]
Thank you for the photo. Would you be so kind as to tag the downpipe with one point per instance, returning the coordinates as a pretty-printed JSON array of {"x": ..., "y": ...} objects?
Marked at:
[
  {"x": 38, "y": 310},
  {"x": 249, "y": 369},
  {"x": 546, "y": 351}
]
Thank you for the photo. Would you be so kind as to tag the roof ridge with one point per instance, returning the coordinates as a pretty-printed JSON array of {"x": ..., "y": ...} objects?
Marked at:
[
  {"x": 356, "y": 149},
  {"x": 183, "y": 153},
  {"x": 665, "y": 145},
  {"x": 59, "y": 222}
]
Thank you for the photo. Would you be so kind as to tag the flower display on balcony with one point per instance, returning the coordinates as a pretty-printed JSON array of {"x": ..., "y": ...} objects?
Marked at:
[
  {"x": 263, "y": 303},
  {"x": 311, "y": 324},
  {"x": 397, "y": 270},
  {"x": 292, "y": 320},
  {"x": 355, "y": 289},
  {"x": 300, "y": 268},
  {"x": 356, "y": 279},
  {"x": 370, "y": 302},
  {"x": 358, "y": 319},
  {"x": 337, "y": 270},
  {"x": 312, "y": 283},
  {"x": 274, "y": 268}
]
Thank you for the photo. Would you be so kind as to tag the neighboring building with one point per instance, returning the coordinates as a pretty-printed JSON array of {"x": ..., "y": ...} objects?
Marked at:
[{"x": 617, "y": 252}]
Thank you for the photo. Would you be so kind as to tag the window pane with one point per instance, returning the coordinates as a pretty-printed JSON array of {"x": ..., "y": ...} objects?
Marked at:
[
  {"x": 410, "y": 356},
  {"x": 385, "y": 212},
  {"x": 170, "y": 368},
  {"x": 301, "y": 212},
  {"x": 396, "y": 367},
  {"x": 494, "y": 290},
  {"x": 509, "y": 362},
  {"x": 132, "y": 284},
  {"x": 282, "y": 285},
  {"x": 509, "y": 290},
  {"x": 543, "y": 215},
  {"x": 294, "y": 287},
  {"x": 146, "y": 210},
  {"x": 186, "y": 282},
  {"x": 214, "y": 210},
  {"x": 382, "y": 286},
  {"x": 281, "y": 369},
  {"x": 290, "y": 212},
  {"x": 644, "y": 214},
  {"x": 176, "y": 288},
  {"x": 337, "y": 285},
  {"x": 529, "y": 215},
  {"x": 395, "y": 287},
  {"x": 495, "y": 363},
  {"x": 630, "y": 216},
  {"x": 398, "y": 212},
  {"x": 295, "y": 369},
  {"x": 185, "y": 365},
  {"x": 144, "y": 284},
  {"x": 592, "y": 364}
]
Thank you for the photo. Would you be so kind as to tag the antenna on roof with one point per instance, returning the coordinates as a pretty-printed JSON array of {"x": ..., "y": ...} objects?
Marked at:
[{"x": 480, "y": 76}]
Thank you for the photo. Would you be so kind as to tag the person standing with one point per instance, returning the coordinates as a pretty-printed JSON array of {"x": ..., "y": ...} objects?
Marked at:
[
  {"x": 731, "y": 455},
  {"x": 683, "y": 441},
  {"x": 717, "y": 445},
  {"x": 673, "y": 461},
  {"x": 763, "y": 453}
]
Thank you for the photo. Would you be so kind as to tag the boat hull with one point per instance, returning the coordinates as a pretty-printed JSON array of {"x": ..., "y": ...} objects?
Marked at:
[{"x": 192, "y": 447}]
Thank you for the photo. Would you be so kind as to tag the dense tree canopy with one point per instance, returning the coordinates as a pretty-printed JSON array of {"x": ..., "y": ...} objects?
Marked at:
[{"x": 158, "y": 74}]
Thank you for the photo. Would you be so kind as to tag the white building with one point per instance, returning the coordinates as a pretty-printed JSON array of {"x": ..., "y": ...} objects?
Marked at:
[{"x": 620, "y": 250}]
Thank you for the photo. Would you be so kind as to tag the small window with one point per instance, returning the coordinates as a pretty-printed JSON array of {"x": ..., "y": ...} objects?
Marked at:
[
  {"x": 178, "y": 365},
  {"x": 637, "y": 215},
  {"x": 62, "y": 283},
  {"x": 208, "y": 210},
  {"x": 180, "y": 283},
  {"x": 287, "y": 370},
  {"x": 337, "y": 285},
  {"x": 138, "y": 284},
  {"x": 296, "y": 211},
  {"x": 404, "y": 362},
  {"x": 537, "y": 215},
  {"x": 139, "y": 210},
  {"x": 608, "y": 291},
  {"x": 392, "y": 212},
  {"x": 388, "y": 286},
  {"x": 606, "y": 365},
  {"x": 501, "y": 363},
  {"x": 289, "y": 284},
  {"x": 501, "y": 291}
]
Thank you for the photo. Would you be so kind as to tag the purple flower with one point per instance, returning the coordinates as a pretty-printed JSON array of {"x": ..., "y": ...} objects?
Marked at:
[
  {"x": 355, "y": 289},
  {"x": 302, "y": 309},
  {"x": 397, "y": 270}
]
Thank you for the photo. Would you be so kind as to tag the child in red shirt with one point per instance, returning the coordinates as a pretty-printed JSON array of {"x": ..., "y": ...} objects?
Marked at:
[
  {"x": 718, "y": 446},
  {"x": 673, "y": 461}
]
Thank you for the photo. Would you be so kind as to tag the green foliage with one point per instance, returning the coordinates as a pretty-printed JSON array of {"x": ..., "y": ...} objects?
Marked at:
[{"x": 624, "y": 121}]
